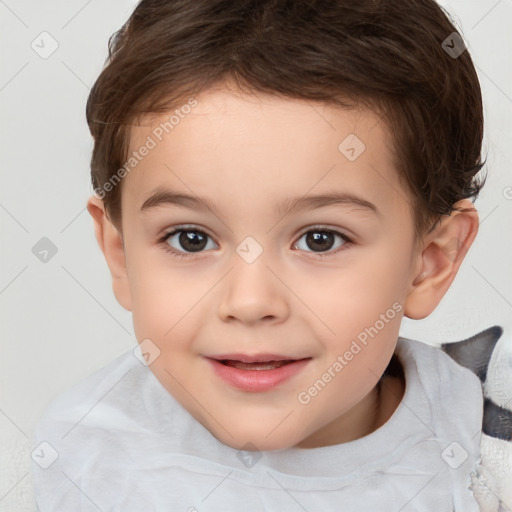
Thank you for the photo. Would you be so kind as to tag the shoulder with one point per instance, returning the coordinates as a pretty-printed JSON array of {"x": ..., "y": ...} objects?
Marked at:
[
  {"x": 435, "y": 367},
  {"x": 81, "y": 440},
  {"x": 86, "y": 401},
  {"x": 454, "y": 392}
]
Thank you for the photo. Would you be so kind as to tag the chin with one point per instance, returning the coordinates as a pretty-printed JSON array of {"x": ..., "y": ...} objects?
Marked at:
[{"x": 257, "y": 441}]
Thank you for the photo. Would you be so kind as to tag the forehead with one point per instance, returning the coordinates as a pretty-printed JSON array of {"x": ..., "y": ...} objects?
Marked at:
[{"x": 227, "y": 145}]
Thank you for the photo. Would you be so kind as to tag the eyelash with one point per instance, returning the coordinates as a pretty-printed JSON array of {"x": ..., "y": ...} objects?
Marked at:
[{"x": 181, "y": 254}]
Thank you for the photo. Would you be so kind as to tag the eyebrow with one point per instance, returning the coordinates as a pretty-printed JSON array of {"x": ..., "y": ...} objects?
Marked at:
[{"x": 163, "y": 197}]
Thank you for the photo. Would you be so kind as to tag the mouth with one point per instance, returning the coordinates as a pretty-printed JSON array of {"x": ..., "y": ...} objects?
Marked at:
[
  {"x": 264, "y": 365},
  {"x": 255, "y": 358},
  {"x": 256, "y": 373}
]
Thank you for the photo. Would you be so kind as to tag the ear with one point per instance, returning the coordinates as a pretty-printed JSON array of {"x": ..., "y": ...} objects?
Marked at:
[
  {"x": 439, "y": 259},
  {"x": 111, "y": 244}
]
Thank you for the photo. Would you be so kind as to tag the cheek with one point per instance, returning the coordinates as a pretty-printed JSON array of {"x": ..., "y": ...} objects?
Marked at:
[
  {"x": 165, "y": 301},
  {"x": 362, "y": 308},
  {"x": 379, "y": 276},
  {"x": 155, "y": 300},
  {"x": 356, "y": 295}
]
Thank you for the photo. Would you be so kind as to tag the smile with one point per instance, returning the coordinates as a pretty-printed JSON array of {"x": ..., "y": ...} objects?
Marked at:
[
  {"x": 269, "y": 365},
  {"x": 256, "y": 376}
]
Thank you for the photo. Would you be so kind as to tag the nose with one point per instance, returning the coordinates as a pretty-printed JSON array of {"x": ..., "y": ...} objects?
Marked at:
[{"x": 252, "y": 292}]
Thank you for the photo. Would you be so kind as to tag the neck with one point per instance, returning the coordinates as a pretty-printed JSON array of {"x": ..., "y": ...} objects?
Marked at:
[{"x": 368, "y": 415}]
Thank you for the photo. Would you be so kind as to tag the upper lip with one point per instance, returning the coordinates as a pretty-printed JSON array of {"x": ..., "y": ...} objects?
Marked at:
[{"x": 255, "y": 358}]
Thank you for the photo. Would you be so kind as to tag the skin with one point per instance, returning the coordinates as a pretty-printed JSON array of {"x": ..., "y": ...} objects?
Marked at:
[{"x": 246, "y": 154}]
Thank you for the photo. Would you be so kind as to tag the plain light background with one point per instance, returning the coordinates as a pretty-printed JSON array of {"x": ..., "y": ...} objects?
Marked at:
[{"x": 60, "y": 320}]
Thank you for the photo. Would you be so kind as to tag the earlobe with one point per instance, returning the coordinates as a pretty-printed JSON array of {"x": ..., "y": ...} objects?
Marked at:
[
  {"x": 111, "y": 244},
  {"x": 439, "y": 260}
]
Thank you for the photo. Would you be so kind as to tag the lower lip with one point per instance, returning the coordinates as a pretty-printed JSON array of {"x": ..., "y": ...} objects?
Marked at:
[{"x": 257, "y": 380}]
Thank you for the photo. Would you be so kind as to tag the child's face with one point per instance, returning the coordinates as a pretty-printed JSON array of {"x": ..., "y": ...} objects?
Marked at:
[{"x": 308, "y": 296}]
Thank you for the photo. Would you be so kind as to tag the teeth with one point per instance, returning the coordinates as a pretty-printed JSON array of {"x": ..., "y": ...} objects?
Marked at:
[{"x": 268, "y": 365}]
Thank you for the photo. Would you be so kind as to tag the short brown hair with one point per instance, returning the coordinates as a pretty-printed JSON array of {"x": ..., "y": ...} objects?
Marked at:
[{"x": 384, "y": 54}]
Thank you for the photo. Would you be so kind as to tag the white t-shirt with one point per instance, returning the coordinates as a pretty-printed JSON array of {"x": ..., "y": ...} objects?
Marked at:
[{"x": 118, "y": 441}]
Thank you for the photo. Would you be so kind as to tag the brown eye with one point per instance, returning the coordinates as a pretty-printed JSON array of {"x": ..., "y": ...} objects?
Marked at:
[
  {"x": 321, "y": 240},
  {"x": 187, "y": 240}
]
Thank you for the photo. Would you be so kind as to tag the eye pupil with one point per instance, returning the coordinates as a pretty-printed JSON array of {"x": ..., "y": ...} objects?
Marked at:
[
  {"x": 322, "y": 239},
  {"x": 192, "y": 240}
]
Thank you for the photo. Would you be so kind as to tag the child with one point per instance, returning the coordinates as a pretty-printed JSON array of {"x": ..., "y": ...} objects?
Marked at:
[{"x": 232, "y": 139}]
